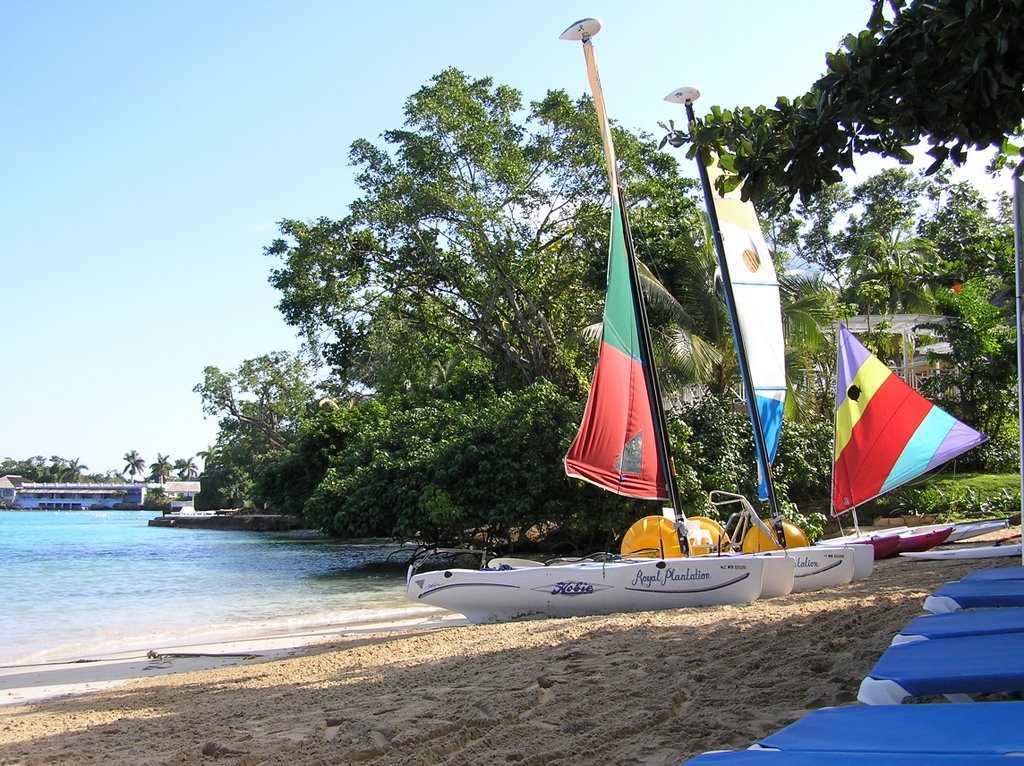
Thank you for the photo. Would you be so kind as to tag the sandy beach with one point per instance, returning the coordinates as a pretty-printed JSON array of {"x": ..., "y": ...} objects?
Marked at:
[{"x": 650, "y": 688}]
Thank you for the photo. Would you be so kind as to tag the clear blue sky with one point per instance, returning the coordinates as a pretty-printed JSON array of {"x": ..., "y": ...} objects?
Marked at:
[{"x": 147, "y": 150}]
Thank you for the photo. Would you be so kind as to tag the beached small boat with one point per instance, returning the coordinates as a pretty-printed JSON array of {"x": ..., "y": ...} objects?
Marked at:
[
  {"x": 968, "y": 552},
  {"x": 965, "y": 530},
  {"x": 622, "y": 446},
  {"x": 899, "y": 540},
  {"x": 913, "y": 541}
]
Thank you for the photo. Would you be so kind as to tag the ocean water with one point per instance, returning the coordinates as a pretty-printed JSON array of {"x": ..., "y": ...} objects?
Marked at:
[{"x": 81, "y": 584}]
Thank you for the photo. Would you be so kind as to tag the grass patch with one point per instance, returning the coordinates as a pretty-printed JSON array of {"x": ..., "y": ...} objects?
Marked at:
[{"x": 953, "y": 498}]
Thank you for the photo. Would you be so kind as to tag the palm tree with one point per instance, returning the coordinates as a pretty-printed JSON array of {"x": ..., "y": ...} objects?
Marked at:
[
  {"x": 161, "y": 468},
  {"x": 186, "y": 468},
  {"x": 697, "y": 340},
  {"x": 209, "y": 456},
  {"x": 73, "y": 469},
  {"x": 133, "y": 464},
  {"x": 900, "y": 271},
  {"x": 808, "y": 305}
]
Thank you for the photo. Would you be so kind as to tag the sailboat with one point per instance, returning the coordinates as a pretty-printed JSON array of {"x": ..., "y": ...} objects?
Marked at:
[
  {"x": 752, "y": 298},
  {"x": 887, "y": 434},
  {"x": 622, "y": 446}
]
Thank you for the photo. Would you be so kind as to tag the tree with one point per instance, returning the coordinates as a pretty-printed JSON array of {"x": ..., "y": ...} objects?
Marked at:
[
  {"x": 186, "y": 468},
  {"x": 265, "y": 397},
  {"x": 75, "y": 469},
  {"x": 943, "y": 71},
  {"x": 480, "y": 235},
  {"x": 133, "y": 464},
  {"x": 161, "y": 468},
  {"x": 970, "y": 243},
  {"x": 261, "y": 406},
  {"x": 979, "y": 386}
]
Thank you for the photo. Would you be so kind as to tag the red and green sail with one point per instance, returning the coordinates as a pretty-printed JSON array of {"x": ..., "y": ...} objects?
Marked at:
[
  {"x": 886, "y": 432},
  {"x": 615, "y": 447}
]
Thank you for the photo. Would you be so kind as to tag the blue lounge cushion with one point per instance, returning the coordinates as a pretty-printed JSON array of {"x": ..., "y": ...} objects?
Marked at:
[
  {"x": 975, "y": 622},
  {"x": 987, "y": 727},
  {"x": 995, "y": 573},
  {"x": 953, "y": 667},
  {"x": 975, "y": 594},
  {"x": 826, "y": 758}
]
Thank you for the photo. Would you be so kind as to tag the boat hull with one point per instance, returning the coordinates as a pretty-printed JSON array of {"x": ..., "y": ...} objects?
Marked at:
[
  {"x": 964, "y": 530},
  {"x": 911, "y": 542},
  {"x": 499, "y": 595},
  {"x": 980, "y": 552},
  {"x": 885, "y": 544},
  {"x": 779, "y": 576},
  {"x": 863, "y": 559},
  {"x": 817, "y": 567}
]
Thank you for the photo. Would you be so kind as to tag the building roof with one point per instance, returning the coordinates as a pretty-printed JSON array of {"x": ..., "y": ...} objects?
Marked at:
[
  {"x": 182, "y": 486},
  {"x": 897, "y": 324},
  {"x": 52, "y": 489},
  {"x": 10, "y": 481}
]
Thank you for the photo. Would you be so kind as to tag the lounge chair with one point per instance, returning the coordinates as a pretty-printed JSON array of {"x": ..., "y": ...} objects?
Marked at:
[
  {"x": 975, "y": 594},
  {"x": 953, "y": 667},
  {"x": 974, "y": 622},
  {"x": 821, "y": 757},
  {"x": 995, "y": 573},
  {"x": 989, "y": 727},
  {"x": 798, "y": 758}
]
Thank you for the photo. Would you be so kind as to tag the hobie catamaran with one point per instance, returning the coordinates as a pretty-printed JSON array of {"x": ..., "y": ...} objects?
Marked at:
[{"x": 622, "y": 446}]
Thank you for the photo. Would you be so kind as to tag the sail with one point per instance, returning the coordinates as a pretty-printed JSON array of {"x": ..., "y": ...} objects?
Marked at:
[
  {"x": 886, "y": 432},
  {"x": 755, "y": 290},
  {"x": 617, "y": 445}
]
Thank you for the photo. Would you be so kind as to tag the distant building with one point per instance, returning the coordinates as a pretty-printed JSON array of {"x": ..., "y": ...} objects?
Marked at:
[
  {"x": 15, "y": 492},
  {"x": 182, "y": 494}
]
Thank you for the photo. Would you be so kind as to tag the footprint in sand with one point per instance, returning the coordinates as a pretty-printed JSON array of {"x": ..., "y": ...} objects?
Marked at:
[{"x": 382, "y": 736}]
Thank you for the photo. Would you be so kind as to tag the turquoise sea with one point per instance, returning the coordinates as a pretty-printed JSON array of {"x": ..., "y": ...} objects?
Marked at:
[{"x": 79, "y": 584}]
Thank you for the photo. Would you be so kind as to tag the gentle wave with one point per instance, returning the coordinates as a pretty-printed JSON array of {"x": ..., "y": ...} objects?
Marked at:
[{"x": 77, "y": 584}]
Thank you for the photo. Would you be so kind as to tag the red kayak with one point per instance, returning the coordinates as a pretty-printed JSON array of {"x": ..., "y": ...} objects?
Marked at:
[
  {"x": 912, "y": 542},
  {"x": 885, "y": 547}
]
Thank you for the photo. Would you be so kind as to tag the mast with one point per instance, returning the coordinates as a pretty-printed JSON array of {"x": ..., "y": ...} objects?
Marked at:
[
  {"x": 1018, "y": 239},
  {"x": 686, "y": 96},
  {"x": 583, "y": 31}
]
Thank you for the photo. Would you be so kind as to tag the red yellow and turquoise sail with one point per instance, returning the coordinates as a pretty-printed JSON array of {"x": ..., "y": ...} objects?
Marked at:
[
  {"x": 886, "y": 432},
  {"x": 755, "y": 289},
  {"x": 616, "y": 447}
]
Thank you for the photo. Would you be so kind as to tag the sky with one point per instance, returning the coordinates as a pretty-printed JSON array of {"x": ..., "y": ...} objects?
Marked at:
[{"x": 148, "y": 151}]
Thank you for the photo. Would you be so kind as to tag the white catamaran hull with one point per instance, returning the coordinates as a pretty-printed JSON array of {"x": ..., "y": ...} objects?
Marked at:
[
  {"x": 863, "y": 559},
  {"x": 779, "y": 576},
  {"x": 497, "y": 595},
  {"x": 979, "y": 552},
  {"x": 817, "y": 567}
]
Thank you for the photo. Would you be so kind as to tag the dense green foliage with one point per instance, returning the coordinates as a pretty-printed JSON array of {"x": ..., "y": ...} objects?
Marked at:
[
  {"x": 454, "y": 310},
  {"x": 945, "y": 71},
  {"x": 486, "y": 468},
  {"x": 980, "y": 385},
  {"x": 479, "y": 236},
  {"x": 717, "y": 450},
  {"x": 56, "y": 469}
]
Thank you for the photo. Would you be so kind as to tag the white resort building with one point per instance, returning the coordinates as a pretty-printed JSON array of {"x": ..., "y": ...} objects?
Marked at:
[{"x": 17, "y": 493}]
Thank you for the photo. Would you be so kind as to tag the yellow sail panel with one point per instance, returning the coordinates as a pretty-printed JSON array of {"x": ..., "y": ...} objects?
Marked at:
[
  {"x": 736, "y": 212},
  {"x": 869, "y": 378}
]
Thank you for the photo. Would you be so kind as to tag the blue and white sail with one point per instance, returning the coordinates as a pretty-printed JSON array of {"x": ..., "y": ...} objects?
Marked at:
[{"x": 755, "y": 290}]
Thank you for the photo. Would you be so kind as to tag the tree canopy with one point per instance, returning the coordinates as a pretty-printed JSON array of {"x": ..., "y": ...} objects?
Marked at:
[
  {"x": 944, "y": 72},
  {"x": 479, "y": 237}
]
